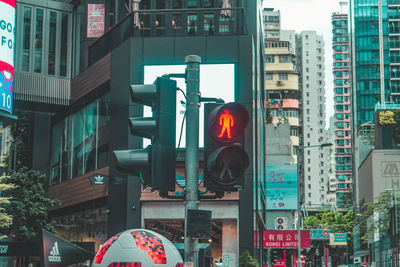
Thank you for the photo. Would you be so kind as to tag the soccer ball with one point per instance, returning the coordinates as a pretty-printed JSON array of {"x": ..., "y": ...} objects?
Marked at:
[{"x": 138, "y": 248}]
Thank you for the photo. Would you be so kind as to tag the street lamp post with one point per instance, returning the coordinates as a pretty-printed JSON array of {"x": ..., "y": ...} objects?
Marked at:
[
  {"x": 299, "y": 196},
  {"x": 394, "y": 192}
]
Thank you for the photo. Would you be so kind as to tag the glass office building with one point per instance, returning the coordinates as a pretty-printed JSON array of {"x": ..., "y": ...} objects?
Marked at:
[{"x": 370, "y": 39}]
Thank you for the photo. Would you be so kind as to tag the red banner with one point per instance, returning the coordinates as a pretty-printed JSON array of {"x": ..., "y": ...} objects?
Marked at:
[
  {"x": 96, "y": 18},
  {"x": 286, "y": 239}
]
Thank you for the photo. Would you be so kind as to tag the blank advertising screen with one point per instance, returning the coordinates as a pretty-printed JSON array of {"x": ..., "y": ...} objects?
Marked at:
[
  {"x": 216, "y": 80},
  {"x": 7, "y": 37}
]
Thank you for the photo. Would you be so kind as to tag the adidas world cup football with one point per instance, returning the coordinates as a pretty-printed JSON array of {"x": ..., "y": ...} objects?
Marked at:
[{"x": 138, "y": 248}]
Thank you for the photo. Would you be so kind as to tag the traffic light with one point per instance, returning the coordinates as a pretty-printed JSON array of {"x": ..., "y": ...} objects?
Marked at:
[
  {"x": 225, "y": 159},
  {"x": 156, "y": 163}
]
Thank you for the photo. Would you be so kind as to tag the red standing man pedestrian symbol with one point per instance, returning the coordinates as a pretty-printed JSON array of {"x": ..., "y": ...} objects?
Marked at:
[{"x": 226, "y": 121}]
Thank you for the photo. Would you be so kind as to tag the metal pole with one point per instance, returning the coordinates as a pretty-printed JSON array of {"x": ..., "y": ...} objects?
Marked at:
[
  {"x": 298, "y": 208},
  {"x": 192, "y": 147},
  {"x": 395, "y": 227}
]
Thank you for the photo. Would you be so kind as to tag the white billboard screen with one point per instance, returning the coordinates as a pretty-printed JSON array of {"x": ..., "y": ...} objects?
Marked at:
[{"x": 216, "y": 80}]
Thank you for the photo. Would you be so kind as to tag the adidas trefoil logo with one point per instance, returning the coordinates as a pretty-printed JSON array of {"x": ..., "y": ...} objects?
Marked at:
[
  {"x": 99, "y": 179},
  {"x": 55, "y": 254}
]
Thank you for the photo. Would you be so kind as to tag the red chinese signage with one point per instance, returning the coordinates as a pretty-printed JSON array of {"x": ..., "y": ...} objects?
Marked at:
[{"x": 286, "y": 239}]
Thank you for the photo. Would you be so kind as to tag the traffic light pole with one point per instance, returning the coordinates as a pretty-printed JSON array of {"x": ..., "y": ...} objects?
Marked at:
[{"x": 192, "y": 147}]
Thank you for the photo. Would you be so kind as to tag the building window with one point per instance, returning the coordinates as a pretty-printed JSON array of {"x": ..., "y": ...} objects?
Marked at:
[
  {"x": 283, "y": 76},
  {"x": 26, "y": 38},
  {"x": 36, "y": 54},
  {"x": 80, "y": 142},
  {"x": 270, "y": 58},
  {"x": 285, "y": 59},
  {"x": 269, "y": 76}
]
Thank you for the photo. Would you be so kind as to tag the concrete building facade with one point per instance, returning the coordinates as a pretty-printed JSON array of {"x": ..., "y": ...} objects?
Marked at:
[
  {"x": 282, "y": 89},
  {"x": 310, "y": 62}
]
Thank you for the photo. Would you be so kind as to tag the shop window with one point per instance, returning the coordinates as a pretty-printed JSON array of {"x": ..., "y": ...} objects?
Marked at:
[{"x": 80, "y": 142}]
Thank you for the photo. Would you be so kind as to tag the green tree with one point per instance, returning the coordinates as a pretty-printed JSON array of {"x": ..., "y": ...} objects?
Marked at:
[
  {"x": 28, "y": 205},
  {"x": 338, "y": 222},
  {"x": 5, "y": 219},
  {"x": 246, "y": 260},
  {"x": 383, "y": 207}
]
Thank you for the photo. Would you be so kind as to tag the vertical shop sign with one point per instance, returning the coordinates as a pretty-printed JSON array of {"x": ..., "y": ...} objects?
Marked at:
[
  {"x": 282, "y": 187},
  {"x": 96, "y": 19},
  {"x": 7, "y": 38}
]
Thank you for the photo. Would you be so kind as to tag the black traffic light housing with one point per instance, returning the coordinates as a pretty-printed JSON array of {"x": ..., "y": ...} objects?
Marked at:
[
  {"x": 155, "y": 164},
  {"x": 225, "y": 159}
]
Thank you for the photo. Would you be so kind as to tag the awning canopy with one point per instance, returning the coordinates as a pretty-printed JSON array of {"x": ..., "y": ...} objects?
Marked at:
[{"x": 54, "y": 250}]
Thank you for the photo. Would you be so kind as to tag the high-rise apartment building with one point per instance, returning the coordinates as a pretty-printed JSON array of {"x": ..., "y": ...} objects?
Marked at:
[
  {"x": 342, "y": 103},
  {"x": 331, "y": 161},
  {"x": 281, "y": 79},
  {"x": 282, "y": 89},
  {"x": 310, "y": 63},
  {"x": 272, "y": 24},
  {"x": 290, "y": 36}
]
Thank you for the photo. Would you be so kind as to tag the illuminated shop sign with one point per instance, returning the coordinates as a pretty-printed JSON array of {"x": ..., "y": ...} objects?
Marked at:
[{"x": 7, "y": 37}]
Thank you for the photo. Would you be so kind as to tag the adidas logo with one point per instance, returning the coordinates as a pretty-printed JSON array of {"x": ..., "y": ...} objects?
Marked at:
[
  {"x": 99, "y": 179},
  {"x": 55, "y": 254}
]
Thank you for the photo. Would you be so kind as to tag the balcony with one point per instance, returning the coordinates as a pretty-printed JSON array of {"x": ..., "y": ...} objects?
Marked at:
[
  {"x": 38, "y": 88},
  {"x": 394, "y": 30},
  {"x": 170, "y": 23},
  {"x": 394, "y": 44},
  {"x": 394, "y": 59}
]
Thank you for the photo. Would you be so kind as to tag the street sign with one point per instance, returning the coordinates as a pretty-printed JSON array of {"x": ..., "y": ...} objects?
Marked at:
[
  {"x": 320, "y": 233},
  {"x": 98, "y": 179},
  {"x": 285, "y": 239},
  {"x": 338, "y": 239}
]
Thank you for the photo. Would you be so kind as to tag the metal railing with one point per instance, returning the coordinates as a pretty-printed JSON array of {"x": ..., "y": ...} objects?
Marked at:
[
  {"x": 387, "y": 105},
  {"x": 42, "y": 89},
  {"x": 170, "y": 23}
]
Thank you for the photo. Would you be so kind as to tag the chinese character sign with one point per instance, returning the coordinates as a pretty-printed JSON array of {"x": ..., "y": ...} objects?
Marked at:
[
  {"x": 95, "y": 25},
  {"x": 281, "y": 187},
  {"x": 286, "y": 239},
  {"x": 7, "y": 45}
]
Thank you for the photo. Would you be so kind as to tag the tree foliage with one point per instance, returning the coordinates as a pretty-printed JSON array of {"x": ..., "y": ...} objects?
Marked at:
[
  {"x": 246, "y": 260},
  {"x": 338, "y": 222},
  {"x": 383, "y": 207},
  {"x": 5, "y": 219},
  {"x": 28, "y": 205}
]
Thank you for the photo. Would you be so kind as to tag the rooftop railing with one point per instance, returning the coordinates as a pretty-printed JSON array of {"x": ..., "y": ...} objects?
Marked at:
[{"x": 387, "y": 105}]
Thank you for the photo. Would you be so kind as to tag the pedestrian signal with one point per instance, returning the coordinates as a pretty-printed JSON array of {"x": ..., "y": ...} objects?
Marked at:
[{"x": 225, "y": 159}]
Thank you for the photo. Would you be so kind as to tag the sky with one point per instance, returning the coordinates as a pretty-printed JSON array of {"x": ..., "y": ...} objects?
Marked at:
[{"x": 300, "y": 15}]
